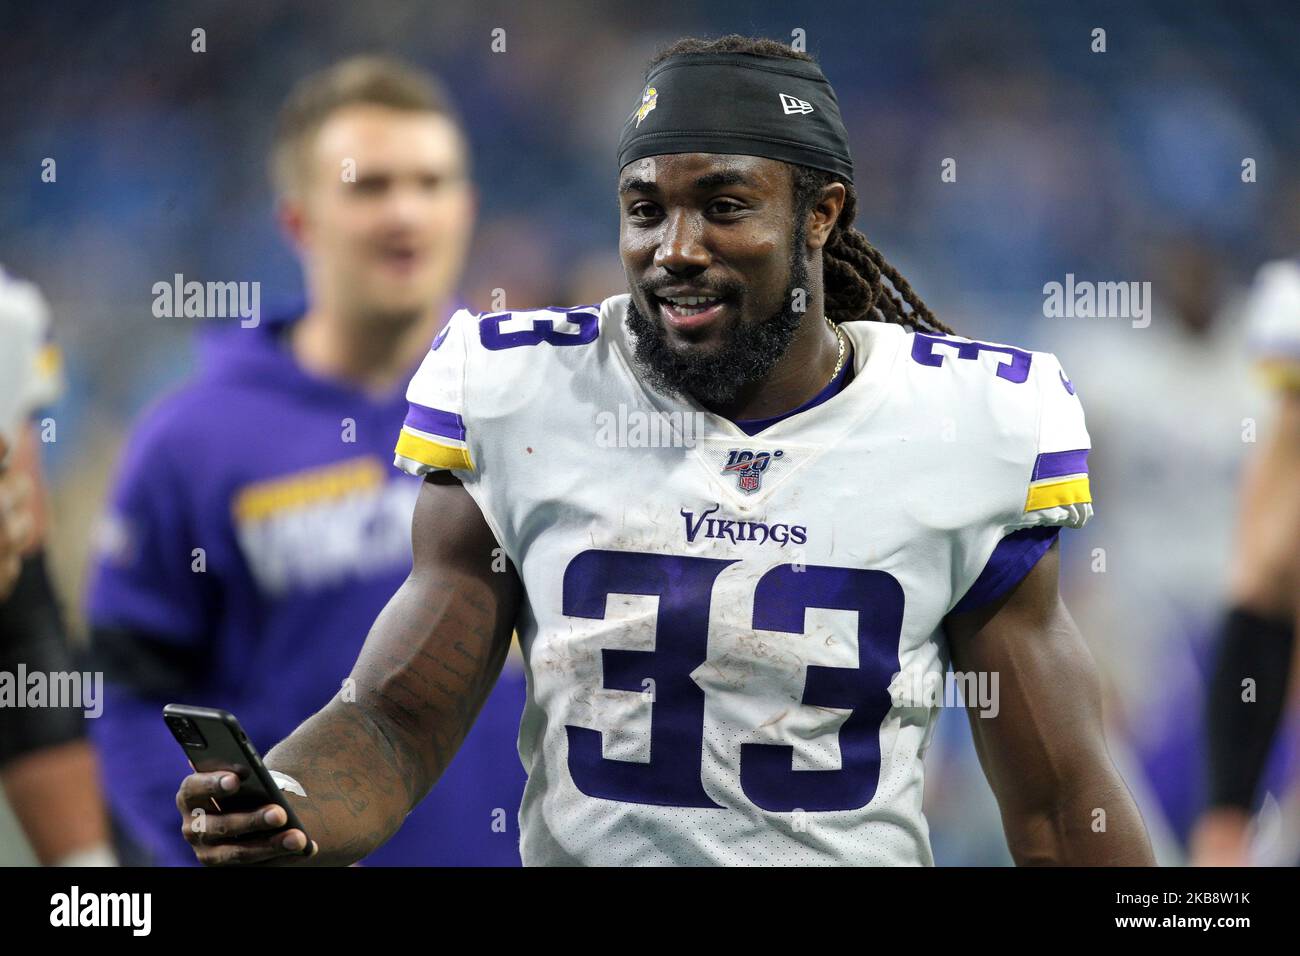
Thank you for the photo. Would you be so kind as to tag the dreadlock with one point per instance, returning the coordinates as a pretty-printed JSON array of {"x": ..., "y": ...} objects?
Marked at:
[{"x": 853, "y": 270}]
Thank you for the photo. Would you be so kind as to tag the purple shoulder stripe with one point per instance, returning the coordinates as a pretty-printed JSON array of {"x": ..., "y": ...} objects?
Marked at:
[
  {"x": 436, "y": 422},
  {"x": 1055, "y": 464},
  {"x": 1011, "y": 560}
]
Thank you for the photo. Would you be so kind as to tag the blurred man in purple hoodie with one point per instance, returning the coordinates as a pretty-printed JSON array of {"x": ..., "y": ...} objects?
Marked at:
[{"x": 257, "y": 526}]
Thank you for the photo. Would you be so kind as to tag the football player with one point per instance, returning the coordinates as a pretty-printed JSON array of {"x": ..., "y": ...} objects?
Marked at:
[
  {"x": 47, "y": 766},
  {"x": 257, "y": 528},
  {"x": 734, "y": 610},
  {"x": 1255, "y": 661}
]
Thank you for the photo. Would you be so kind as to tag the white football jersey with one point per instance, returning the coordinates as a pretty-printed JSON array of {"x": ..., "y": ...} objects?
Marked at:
[
  {"x": 714, "y": 623},
  {"x": 1273, "y": 321},
  {"x": 29, "y": 365}
]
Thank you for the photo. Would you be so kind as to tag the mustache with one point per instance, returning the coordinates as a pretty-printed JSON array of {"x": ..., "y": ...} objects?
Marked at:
[{"x": 725, "y": 290}]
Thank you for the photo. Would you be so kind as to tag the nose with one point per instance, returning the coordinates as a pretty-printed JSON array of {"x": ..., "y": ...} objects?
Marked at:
[
  {"x": 681, "y": 246},
  {"x": 406, "y": 206}
]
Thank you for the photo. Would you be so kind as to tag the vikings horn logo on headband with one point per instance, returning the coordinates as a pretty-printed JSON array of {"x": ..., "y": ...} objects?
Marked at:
[{"x": 649, "y": 99}]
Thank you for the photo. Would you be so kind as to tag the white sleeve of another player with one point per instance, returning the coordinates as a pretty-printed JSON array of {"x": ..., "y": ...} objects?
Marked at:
[
  {"x": 434, "y": 436},
  {"x": 29, "y": 364},
  {"x": 1273, "y": 322},
  {"x": 1058, "y": 491}
]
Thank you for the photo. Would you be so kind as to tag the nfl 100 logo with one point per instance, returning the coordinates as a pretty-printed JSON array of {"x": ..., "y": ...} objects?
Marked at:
[{"x": 748, "y": 466}]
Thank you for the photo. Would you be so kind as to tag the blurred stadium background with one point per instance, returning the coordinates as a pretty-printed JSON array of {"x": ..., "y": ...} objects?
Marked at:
[{"x": 1115, "y": 166}]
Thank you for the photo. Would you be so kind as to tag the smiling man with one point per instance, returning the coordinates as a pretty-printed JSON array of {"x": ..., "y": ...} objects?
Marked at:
[{"x": 728, "y": 639}]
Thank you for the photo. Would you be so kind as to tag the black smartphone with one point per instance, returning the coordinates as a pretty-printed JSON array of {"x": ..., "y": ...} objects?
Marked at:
[{"x": 213, "y": 740}]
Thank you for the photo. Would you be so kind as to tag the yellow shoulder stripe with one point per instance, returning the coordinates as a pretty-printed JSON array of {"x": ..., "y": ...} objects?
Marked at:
[
  {"x": 1059, "y": 494},
  {"x": 1280, "y": 373},
  {"x": 433, "y": 454}
]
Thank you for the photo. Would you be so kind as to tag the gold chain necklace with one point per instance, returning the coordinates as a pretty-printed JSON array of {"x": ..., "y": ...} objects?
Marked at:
[{"x": 839, "y": 337}]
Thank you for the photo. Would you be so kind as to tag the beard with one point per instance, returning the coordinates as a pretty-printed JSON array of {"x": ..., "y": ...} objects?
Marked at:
[{"x": 749, "y": 351}]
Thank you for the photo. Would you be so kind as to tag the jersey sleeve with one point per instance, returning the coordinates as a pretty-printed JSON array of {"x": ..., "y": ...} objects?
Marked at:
[
  {"x": 1058, "y": 493},
  {"x": 1055, "y": 495},
  {"x": 30, "y": 365},
  {"x": 434, "y": 437},
  {"x": 1273, "y": 323}
]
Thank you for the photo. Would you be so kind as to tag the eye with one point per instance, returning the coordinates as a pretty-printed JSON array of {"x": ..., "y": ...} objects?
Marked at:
[
  {"x": 725, "y": 207},
  {"x": 643, "y": 210}
]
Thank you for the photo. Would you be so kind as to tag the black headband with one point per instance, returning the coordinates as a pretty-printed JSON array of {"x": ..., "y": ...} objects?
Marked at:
[{"x": 743, "y": 103}]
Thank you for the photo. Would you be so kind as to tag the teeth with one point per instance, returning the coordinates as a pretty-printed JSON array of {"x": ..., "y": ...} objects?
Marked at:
[{"x": 690, "y": 300}]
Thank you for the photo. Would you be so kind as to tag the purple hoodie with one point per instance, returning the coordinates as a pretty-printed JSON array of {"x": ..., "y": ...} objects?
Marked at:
[{"x": 258, "y": 525}]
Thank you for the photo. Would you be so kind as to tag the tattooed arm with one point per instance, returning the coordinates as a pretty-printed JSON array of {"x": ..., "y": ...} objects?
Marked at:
[{"x": 427, "y": 666}]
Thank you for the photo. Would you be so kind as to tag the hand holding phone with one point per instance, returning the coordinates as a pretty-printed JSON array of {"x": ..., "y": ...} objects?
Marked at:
[{"x": 245, "y": 816}]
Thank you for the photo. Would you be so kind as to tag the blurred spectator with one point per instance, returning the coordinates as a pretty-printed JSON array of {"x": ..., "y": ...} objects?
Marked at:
[{"x": 258, "y": 527}]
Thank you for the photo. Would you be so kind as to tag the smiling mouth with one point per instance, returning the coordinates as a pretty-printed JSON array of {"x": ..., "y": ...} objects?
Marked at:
[
  {"x": 398, "y": 257},
  {"x": 691, "y": 312}
]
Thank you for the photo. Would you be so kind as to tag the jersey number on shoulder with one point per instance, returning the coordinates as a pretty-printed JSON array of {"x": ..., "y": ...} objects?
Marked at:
[
  {"x": 684, "y": 586},
  {"x": 924, "y": 351},
  {"x": 508, "y": 330}
]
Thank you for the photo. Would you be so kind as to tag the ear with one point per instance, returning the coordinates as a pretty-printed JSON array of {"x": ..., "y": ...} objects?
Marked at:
[
  {"x": 824, "y": 215},
  {"x": 292, "y": 218}
]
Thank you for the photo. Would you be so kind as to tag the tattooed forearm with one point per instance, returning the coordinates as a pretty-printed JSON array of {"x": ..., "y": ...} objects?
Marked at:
[{"x": 356, "y": 795}]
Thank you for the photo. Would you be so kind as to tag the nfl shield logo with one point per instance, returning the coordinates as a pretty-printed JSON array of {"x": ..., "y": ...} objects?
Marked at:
[{"x": 748, "y": 466}]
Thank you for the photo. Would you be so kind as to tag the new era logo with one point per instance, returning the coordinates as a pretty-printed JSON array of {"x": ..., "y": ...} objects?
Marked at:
[{"x": 792, "y": 104}]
